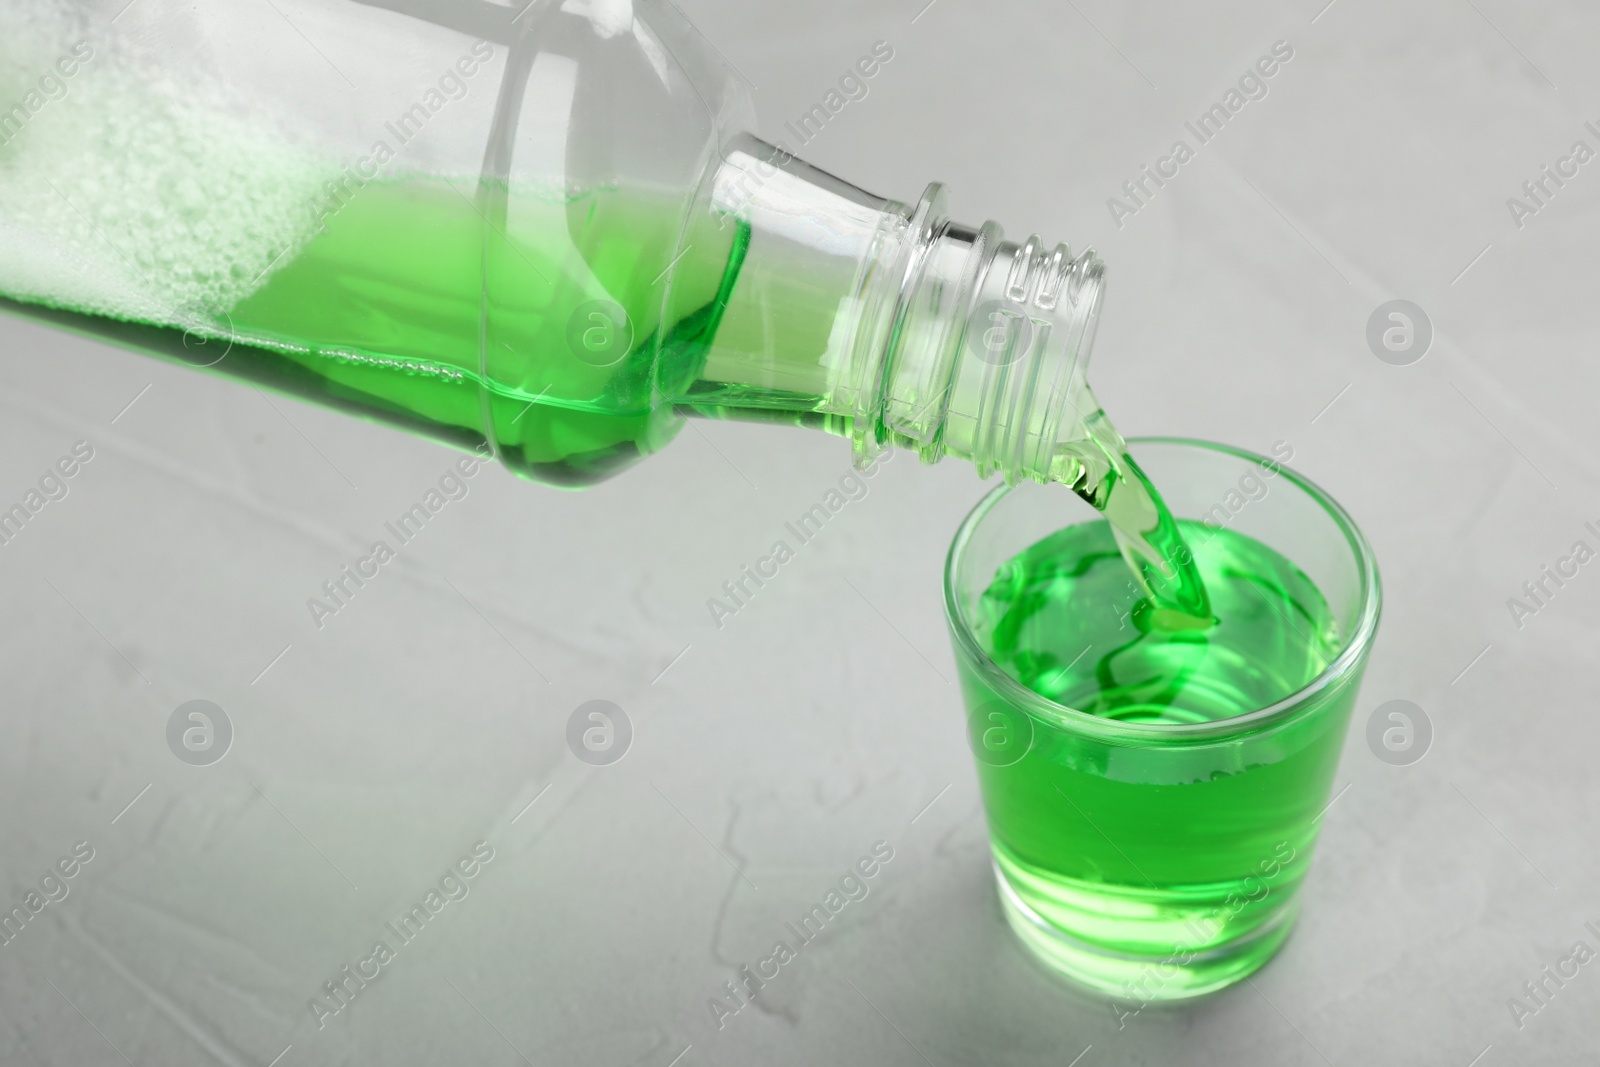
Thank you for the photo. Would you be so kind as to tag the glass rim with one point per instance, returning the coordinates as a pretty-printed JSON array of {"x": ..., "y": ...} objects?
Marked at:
[{"x": 1355, "y": 645}]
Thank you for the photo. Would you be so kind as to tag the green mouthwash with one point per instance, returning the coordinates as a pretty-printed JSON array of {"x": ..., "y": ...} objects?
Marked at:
[
  {"x": 409, "y": 306},
  {"x": 379, "y": 315},
  {"x": 1086, "y": 832}
]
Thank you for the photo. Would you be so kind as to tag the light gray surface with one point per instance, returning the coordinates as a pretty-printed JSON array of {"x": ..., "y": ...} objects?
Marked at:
[{"x": 820, "y": 719}]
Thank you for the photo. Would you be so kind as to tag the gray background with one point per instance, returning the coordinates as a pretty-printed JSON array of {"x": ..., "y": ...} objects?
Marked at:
[{"x": 775, "y": 751}]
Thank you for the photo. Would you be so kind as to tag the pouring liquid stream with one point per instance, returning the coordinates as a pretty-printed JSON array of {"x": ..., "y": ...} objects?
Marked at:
[{"x": 1099, "y": 469}]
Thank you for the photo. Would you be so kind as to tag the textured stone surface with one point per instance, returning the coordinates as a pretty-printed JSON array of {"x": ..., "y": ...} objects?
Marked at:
[{"x": 770, "y": 755}]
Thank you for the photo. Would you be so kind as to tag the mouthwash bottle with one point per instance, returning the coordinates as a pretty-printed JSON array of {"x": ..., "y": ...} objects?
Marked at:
[{"x": 540, "y": 227}]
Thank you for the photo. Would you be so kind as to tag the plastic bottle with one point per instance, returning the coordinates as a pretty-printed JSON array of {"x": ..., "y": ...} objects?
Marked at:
[{"x": 544, "y": 227}]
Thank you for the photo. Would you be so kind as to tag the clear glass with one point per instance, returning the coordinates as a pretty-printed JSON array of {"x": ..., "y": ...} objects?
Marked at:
[
  {"x": 1150, "y": 860},
  {"x": 541, "y": 228}
]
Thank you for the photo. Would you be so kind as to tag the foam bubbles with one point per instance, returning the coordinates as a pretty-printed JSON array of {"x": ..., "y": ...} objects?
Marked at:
[{"x": 149, "y": 191}]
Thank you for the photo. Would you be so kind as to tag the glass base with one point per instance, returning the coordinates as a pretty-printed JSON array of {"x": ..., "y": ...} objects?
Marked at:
[{"x": 1136, "y": 980}]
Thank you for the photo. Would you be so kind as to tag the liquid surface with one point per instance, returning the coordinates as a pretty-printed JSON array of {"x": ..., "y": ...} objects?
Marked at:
[{"x": 1064, "y": 619}]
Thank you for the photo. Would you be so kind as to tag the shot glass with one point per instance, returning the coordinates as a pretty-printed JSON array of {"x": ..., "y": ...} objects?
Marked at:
[{"x": 1154, "y": 860}]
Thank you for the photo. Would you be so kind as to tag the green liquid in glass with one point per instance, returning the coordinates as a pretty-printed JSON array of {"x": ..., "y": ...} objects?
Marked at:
[{"x": 1149, "y": 848}]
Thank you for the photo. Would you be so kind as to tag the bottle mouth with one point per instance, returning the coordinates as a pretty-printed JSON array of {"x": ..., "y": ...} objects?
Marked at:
[
  {"x": 986, "y": 348},
  {"x": 1028, "y": 337}
]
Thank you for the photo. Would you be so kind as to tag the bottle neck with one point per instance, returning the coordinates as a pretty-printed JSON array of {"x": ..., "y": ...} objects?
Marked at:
[{"x": 895, "y": 326}]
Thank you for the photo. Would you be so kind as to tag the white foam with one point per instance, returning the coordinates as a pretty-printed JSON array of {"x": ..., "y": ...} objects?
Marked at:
[{"x": 145, "y": 193}]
